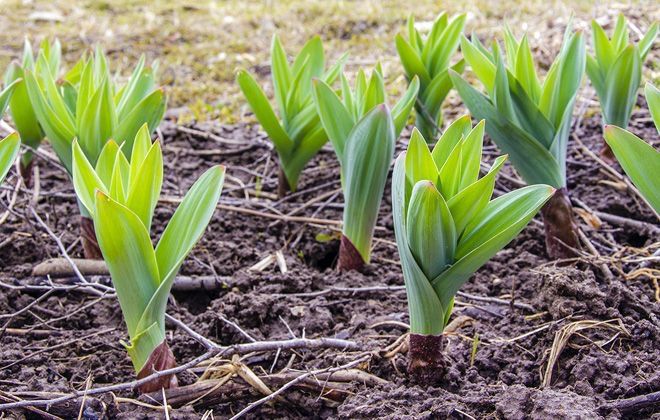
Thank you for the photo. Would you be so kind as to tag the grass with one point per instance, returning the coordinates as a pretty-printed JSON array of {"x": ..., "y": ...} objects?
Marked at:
[{"x": 201, "y": 44}]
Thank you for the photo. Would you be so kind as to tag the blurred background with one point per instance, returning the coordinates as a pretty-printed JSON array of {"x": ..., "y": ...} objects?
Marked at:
[{"x": 200, "y": 44}]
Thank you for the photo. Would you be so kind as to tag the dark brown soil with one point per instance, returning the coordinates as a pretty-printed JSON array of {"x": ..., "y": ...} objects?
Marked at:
[{"x": 499, "y": 377}]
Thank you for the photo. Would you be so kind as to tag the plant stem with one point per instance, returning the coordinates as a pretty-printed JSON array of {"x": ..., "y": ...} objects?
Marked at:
[
  {"x": 25, "y": 169},
  {"x": 282, "y": 184},
  {"x": 425, "y": 123},
  {"x": 88, "y": 237},
  {"x": 561, "y": 238},
  {"x": 349, "y": 256},
  {"x": 426, "y": 363},
  {"x": 160, "y": 359}
]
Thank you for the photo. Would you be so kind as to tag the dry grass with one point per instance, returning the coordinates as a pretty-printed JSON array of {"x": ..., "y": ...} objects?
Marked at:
[{"x": 201, "y": 44}]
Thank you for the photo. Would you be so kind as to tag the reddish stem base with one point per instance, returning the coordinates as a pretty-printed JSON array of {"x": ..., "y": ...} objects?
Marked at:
[
  {"x": 426, "y": 363},
  {"x": 561, "y": 229},
  {"x": 283, "y": 187},
  {"x": 160, "y": 359},
  {"x": 26, "y": 173},
  {"x": 88, "y": 238},
  {"x": 349, "y": 256}
]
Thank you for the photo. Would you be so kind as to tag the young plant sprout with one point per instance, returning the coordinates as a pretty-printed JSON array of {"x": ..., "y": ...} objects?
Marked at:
[
  {"x": 120, "y": 197},
  {"x": 9, "y": 147},
  {"x": 447, "y": 227},
  {"x": 615, "y": 69},
  {"x": 20, "y": 107},
  {"x": 135, "y": 184},
  {"x": 90, "y": 107},
  {"x": 429, "y": 59},
  {"x": 639, "y": 160},
  {"x": 362, "y": 134},
  {"x": 298, "y": 134},
  {"x": 530, "y": 120}
]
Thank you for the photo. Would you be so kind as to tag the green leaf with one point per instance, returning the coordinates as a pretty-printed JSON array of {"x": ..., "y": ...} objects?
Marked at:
[
  {"x": 419, "y": 161},
  {"x": 9, "y": 147},
  {"x": 5, "y": 95},
  {"x": 621, "y": 84},
  {"x": 529, "y": 116},
  {"x": 189, "y": 221},
  {"x": 620, "y": 37},
  {"x": 570, "y": 65},
  {"x": 129, "y": 255},
  {"x": 60, "y": 132},
  {"x": 306, "y": 150},
  {"x": 412, "y": 62},
  {"x": 525, "y": 71},
  {"x": 149, "y": 111},
  {"x": 312, "y": 51},
  {"x": 647, "y": 41},
  {"x": 264, "y": 113},
  {"x": 375, "y": 93},
  {"x": 22, "y": 113},
  {"x": 481, "y": 65},
  {"x": 450, "y": 138},
  {"x": 85, "y": 180},
  {"x": 98, "y": 122},
  {"x": 427, "y": 314},
  {"x": 431, "y": 232},
  {"x": 640, "y": 161},
  {"x": 653, "y": 99},
  {"x": 281, "y": 73},
  {"x": 140, "y": 147},
  {"x": 367, "y": 157},
  {"x": 105, "y": 164},
  {"x": 491, "y": 230},
  {"x": 471, "y": 200},
  {"x": 145, "y": 188},
  {"x": 471, "y": 156},
  {"x": 446, "y": 45},
  {"x": 605, "y": 54},
  {"x": 530, "y": 158},
  {"x": 336, "y": 119}
]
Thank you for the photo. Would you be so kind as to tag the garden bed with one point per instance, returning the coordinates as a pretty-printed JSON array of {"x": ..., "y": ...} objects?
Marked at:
[{"x": 590, "y": 318}]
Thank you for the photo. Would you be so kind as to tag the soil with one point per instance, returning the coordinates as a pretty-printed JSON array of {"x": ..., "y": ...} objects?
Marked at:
[{"x": 495, "y": 362}]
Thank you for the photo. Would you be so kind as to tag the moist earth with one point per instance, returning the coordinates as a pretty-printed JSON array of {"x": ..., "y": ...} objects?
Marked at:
[{"x": 497, "y": 353}]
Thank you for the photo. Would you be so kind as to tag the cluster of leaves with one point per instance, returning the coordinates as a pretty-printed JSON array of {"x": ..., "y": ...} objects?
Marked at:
[
  {"x": 20, "y": 107},
  {"x": 429, "y": 59},
  {"x": 615, "y": 69},
  {"x": 298, "y": 134},
  {"x": 363, "y": 137},
  {"x": 89, "y": 106},
  {"x": 121, "y": 197},
  {"x": 640, "y": 160},
  {"x": 445, "y": 224},
  {"x": 527, "y": 119}
]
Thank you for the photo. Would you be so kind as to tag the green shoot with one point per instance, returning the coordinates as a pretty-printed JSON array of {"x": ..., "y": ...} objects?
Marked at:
[
  {"x": 297, "y": 134},
  {"x": 363, "y": 136},
  {"x": 121, "y": 197},
  {"x": 89, "y": 106},
  {"x": 20, "y": 107},
  {"x": 639, "y": 160},
  {"x": 615, "y": 69},
  {"x": 529, "y": 119},
  {"x": 447, "y": 227},
  {"x": 429, "y": 59}
]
